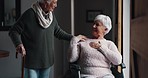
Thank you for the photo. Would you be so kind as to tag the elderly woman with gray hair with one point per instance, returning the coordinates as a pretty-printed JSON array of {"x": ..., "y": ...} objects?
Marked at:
[
  {"x": 96, "y": 54},
  {"x": 33, "y": 36}
]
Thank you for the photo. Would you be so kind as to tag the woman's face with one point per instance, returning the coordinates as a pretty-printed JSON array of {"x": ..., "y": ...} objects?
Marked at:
[
  {"x": 50, "y": 6},
  {"x": 98, "y": 29}
]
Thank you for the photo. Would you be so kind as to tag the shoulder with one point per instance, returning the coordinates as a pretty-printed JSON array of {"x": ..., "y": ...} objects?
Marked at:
[
  {"x": 29, "y": 12},
  {"x": 110, "y": 43},
  {"x": 28, "y": 15},
  {"x": 87, "y": 41}
]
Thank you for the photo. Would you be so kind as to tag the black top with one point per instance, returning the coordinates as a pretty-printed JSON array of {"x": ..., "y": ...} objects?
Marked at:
[{"x": 38, "y": 41}]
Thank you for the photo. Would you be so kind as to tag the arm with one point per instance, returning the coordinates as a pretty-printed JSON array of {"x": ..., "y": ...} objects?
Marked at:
[
  {"x": 15, "y": 35},
  {"x": 112, "y": 53},
  {"x": 17, "y": 29},
  {"x": 60, "y": 34},
  {"x": 74, "y": 50}
]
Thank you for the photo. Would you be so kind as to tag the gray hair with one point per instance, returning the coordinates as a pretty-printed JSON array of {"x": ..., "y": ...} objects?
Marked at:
[
  {"x": 105, "y": 20},
  {"x": 43, "y": 0}
]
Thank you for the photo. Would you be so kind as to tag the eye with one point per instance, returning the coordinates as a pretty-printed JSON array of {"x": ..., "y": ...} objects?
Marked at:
[{"x": 97, "y": 24}]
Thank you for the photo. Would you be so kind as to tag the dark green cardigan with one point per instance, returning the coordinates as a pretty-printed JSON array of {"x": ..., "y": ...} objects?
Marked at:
[{"x": 38, "y": 41}]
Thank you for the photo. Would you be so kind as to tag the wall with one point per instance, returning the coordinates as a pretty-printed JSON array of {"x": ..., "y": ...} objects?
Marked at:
[
  {"x": 25, "y": 4},
  {"x": 81, "y": 7},
  {"x": 9, "y": 66},
  {"x": 62, "y": 13},
  {"x": 139, "y": 27},
  {"x": 139, "y": 55}
]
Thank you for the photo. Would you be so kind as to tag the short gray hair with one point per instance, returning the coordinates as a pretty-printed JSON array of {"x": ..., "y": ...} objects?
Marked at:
[
  {"x": 43, "y": 0},
  {"x": 106, "y": 20}
]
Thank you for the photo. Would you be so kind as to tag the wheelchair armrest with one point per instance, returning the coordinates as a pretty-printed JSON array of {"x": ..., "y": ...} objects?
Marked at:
[
  {"x": 123, "y": 66},
  {"x": 75, "y": 66}
]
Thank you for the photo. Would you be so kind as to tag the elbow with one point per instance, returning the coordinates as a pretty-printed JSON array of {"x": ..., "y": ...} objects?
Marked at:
[
  {"x": 118, "y": 61},
  {"x": 73, "y": 59}
]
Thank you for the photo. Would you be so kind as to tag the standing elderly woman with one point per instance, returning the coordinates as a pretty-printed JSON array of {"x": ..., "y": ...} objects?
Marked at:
[
  {"x": 95, "y": 55},
  {"x": 33, "y": 36}
]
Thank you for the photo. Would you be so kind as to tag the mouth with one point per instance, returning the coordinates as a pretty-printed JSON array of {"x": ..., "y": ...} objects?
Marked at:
[{"x": 95, "y": 30}]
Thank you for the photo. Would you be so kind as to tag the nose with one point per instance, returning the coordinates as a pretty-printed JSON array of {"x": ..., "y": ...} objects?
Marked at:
[
  {"x": 55, "y": 5},
  {"x": 94, "y": 26}
]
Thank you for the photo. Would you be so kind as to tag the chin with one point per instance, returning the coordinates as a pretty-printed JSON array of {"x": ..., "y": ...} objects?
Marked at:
[
  {"x": 95, "y": 35},
  {"x": 51, "y": 10}
]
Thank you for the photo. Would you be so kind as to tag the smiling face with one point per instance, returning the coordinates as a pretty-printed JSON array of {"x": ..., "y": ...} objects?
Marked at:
[{"x": 98, "y": 29}]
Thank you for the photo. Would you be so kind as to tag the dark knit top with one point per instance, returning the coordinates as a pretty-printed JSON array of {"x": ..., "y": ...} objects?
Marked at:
[{"x": 38, "y": 41}]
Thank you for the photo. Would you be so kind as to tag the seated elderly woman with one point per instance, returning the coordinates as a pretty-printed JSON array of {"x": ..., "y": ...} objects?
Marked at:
[{"x": 95, "y": 55}]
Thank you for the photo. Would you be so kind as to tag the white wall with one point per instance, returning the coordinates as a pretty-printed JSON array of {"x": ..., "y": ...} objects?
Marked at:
[
  {"x": 126, "y": 36},
  {"x": 10, "y": 67}
]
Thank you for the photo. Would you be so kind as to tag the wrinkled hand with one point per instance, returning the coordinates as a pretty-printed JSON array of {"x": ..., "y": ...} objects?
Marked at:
[
  {"x": 95, "y": 45},
  {"x": 20, "y": 49},
  {"x": 82, "y": 37}
]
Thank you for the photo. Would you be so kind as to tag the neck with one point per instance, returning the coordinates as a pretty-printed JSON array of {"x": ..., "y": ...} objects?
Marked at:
[
  {"x": 43, "y": 8},
  {"x": 99, "y": 37}
]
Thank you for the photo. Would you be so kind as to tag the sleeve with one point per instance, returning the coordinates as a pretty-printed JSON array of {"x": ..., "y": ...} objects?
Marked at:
[
  {"x": 16, "y": 31},
  {"x": 60, "y": 34},
  {"x": 111, "y": 53},
  {"x": 74, "y": 50}
]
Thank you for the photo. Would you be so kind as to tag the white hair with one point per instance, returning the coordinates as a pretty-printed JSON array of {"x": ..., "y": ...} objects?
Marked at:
[
  {"x": 105, "y": 20},
  {"x": 43, "y": 0}
]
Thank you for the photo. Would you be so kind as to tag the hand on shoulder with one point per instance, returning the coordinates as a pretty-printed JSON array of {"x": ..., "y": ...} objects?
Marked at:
[{"x": 81, "y": 37}]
